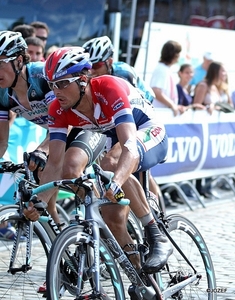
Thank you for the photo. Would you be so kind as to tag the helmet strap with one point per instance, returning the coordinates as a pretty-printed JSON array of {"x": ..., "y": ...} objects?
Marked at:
[
  {"x": 17, "y": 72},
  {"x": 82, "y": 93},
  {"x": 79, "y": 100},
  {"x": 108, "y": 67}
]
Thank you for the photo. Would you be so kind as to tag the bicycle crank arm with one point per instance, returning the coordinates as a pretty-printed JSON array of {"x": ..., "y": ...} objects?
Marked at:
[{"x": 179, "y": 286}]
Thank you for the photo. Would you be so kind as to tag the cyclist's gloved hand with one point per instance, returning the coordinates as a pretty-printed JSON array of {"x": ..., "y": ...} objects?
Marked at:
[
  {"x": 114, "y": 192},
  {"x": 38, "y": 204},
  {"x": 39, "y": 158},
  {"x": 35, "y": 209}
]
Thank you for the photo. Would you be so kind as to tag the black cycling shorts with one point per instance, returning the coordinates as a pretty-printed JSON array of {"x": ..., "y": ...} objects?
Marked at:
[{"x": 91, "y": 142}]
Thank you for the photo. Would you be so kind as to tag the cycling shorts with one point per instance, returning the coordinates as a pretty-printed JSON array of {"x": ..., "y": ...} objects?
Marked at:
[
  {"x": 91, "y": 142},
  {"x": 152, "y": 144}
]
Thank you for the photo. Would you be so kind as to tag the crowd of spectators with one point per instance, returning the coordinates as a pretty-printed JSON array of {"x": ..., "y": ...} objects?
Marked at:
[{"x": 204, "y": 87}]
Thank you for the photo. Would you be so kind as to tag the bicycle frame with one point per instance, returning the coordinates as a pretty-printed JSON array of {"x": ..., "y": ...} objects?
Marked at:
[{"x": 94, "y": 220}]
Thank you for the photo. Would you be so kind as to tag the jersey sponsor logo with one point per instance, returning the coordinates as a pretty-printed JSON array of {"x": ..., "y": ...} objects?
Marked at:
[
  {"x": 101, "y": 98},
  {"x": 94, "y": 140},
  {"x": 102, "y": 115},
  {"x": 40, "y": 120},
  {"x": 136, "y": 101},
  {"x": 50, "y": 97},
  {"x": 156, "y": 131},
  {"x": 33, "y": 93},
  {"x": 117, "y": 106},
  {"x": 38, "y": 75},
  {"x": 59, "y": 111},
  {"x": 22, "y": 112},
  {"x": 62, "y": 73},
  {"x": 50, "y": 120},
  {"x": 38, "y": 111}
]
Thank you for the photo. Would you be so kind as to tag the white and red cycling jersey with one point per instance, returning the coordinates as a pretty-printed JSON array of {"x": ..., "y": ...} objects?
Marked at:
[{"x": 115, "y": 102}]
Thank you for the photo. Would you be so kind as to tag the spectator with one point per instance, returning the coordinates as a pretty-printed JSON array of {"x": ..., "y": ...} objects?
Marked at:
[
  {"x": 185, "y": 74},
  {"x": 162, "y": 81},
  {"x": 50, "y": 50},
  {"x": 42, "y": 31},
  {"x": 223, "y": 88},
  {"x": 200, "y": 71},
  {"x": 208, "y": 93},
  {"x": 212, "y": 89},
  {"x": 233, "y": 98},
  {"x": 35, "y": 48},
  {"x": 25, "y": 30}
]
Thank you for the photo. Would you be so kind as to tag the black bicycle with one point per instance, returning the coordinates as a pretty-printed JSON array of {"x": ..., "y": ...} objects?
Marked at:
[{"x": 85, "y": 257}]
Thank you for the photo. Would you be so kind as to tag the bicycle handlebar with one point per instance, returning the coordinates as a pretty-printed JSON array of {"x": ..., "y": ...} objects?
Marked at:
[
  {"x": 105, "y": 177},
  {"x": 101, "y": 176}
]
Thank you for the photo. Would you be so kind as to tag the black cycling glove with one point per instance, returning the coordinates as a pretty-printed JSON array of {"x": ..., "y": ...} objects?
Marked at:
[
  {"x": 39, "y": 158},
  {"x": 38, "y": 204}
]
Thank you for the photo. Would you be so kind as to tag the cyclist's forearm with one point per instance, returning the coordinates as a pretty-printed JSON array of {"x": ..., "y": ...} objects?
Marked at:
[
  {"x": 50, "y": 173},
  {"x": 126, "y": 166}
]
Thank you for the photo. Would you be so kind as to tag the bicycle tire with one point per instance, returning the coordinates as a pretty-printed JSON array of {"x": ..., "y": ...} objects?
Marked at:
[
  {"x": 191, "y": 242},
  {"x": 22, "y": 285},
  {"x": 62, "y": 280}
]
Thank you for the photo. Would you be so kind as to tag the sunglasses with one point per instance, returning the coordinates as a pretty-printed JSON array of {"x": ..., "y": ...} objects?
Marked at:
[
  {"x": 43, "y": 38},
  {"x": 98, "y": 65},
  {"x": 62, "y": 83},
  {"x": 6, "y": 60}
]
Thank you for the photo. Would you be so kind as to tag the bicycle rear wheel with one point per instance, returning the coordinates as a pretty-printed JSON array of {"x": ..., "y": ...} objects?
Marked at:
[
  {"x": 66, "y": 268},
  {"x": 190, "y": 241},
  {"x": 22, "y": 284}
]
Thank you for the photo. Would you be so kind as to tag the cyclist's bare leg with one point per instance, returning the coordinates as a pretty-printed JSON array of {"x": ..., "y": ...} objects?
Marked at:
[
  {"x": 75, "y": 162},
  {"x": 119, "y": 215},
  {"x": 159, "y": 246},
  {"x": 51, "y": 208}
]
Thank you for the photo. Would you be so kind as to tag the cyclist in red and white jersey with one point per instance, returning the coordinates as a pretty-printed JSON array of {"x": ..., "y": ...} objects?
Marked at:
[
  {"x": 136, "y": 142},
  {"x": 101, "y": 52}
]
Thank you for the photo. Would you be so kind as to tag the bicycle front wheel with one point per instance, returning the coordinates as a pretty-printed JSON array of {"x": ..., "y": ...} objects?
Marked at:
[
  {"x": 70, "y": 269},
  {"x": 192, "y": 244},
  {"x": 21, "y": 279}
]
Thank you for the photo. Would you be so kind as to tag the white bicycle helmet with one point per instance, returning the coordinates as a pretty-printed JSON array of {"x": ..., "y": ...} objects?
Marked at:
[
  {"x": 100, "y": 49},
  {"x": 66, "y": 60},
  {"x": 11, "y": 43}
]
